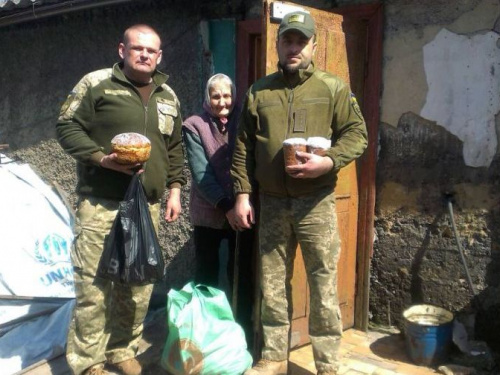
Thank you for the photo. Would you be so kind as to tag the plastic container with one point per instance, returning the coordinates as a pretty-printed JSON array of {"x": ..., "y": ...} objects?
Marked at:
[{"x": 428, "y": 331}]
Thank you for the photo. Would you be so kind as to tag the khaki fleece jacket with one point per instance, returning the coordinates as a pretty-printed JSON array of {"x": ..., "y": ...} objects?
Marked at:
[
  {"x": 318, "y": 105},
  {"x": 103, "y": 104}
]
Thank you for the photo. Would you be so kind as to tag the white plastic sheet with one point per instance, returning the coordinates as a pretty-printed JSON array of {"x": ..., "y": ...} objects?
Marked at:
[
  {"x": 36, "y": 277},
  {"x": 35, "y": 236}
]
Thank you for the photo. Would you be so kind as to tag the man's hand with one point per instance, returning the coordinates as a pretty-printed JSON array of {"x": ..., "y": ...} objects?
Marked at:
[
  {"x": 313, "y": 166},
  {"x": 244, "y": 212},
  {"x": 173, "y": 209},
  {"x": 232, "y": 219},
  {"x": 109, "y": 162}
]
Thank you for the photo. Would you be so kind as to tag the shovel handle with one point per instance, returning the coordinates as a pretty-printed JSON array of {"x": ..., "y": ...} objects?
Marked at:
[{"x": 236, "y": 271}]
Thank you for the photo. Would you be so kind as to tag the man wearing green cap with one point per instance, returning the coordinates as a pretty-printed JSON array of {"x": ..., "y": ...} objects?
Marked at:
[{"x": 297, "y": 204}]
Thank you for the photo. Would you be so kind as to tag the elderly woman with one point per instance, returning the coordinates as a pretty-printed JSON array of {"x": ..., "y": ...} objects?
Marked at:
[{"x": 209, "y": 138}]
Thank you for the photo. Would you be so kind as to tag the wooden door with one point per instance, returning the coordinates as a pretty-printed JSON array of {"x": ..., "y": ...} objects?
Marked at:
[{"x": 331, "y": 55}]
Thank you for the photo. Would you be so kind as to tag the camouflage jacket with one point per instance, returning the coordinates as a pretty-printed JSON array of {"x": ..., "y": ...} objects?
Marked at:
[
  {"x": 319, "y": 105},
  {"x": 103, "y": 104}
]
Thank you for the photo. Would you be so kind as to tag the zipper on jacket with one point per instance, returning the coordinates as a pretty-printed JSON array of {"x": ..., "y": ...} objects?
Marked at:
[
  {"x": 146, "y": 112},
  {"x": 146, "y": 119},
  {"x": 290, "y": 114},
  {"x": 146, "y": 115},
  {"x": 289, "y": 129}
]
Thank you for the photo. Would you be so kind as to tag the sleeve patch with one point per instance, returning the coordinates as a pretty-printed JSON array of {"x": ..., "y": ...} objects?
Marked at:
[
  {"x": 355, "y": 105},
  {"x": 70, "y": 106}
]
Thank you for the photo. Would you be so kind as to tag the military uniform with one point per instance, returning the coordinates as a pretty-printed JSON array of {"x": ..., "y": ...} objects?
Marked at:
[
  {"x": 108, "y": 318},
  {"x": 297, "y": 211}
]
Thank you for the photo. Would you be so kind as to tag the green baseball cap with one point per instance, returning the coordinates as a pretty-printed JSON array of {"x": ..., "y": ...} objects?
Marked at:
[{"x": 298, "y": 21}]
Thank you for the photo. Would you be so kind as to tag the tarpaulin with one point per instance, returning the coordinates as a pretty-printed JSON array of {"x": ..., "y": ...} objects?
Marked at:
[{"x": 36, "y": 277}]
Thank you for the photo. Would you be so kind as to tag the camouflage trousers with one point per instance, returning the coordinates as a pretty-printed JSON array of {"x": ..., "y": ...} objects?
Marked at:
[
  {"x": 310, "y": 221},
  {"x": 108, "y": 317}
]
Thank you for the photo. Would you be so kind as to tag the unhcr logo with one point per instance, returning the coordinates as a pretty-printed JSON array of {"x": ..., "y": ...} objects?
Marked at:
[{"x": 53, "y": 249}]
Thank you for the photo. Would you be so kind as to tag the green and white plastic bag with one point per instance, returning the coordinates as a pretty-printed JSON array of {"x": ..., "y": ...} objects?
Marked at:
[{"x": 203, "y": 337}]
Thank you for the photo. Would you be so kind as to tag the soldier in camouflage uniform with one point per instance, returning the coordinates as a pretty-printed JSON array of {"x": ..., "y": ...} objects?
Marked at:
[
  {"x": 133, "y": 96},
  {"x": 297, "y": 204}
]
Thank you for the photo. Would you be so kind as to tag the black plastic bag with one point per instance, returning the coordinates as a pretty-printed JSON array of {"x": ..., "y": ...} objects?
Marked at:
[{"x": 132, "y": 253}]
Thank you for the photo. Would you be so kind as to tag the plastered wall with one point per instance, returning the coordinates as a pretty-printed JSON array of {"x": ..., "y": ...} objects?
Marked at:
[
  {"x": 438, "y": 158},
  {"x": 448, "y": 73}
]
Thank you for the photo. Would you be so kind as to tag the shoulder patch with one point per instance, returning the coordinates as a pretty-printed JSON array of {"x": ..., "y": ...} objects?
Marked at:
[
  {"x": 355, "y": 105},
  {"x": 75, "y": 97},
  {"x": 70, "y": 103}
]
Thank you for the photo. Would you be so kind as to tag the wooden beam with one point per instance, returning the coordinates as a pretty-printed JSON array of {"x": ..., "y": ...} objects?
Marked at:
[{"x": 373, "y": 15}]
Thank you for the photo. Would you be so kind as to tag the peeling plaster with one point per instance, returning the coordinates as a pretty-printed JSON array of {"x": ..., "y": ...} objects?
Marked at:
[
  {"x": 464, "y": 94},
  {"x": 393, "y": 197},
  {"x": 404, "y": 80},
  {"x": 483, "y": 17}
]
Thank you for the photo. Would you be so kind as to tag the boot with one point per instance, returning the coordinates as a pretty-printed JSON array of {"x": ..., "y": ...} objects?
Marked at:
[
  {"x": 129, "y": 367},
  {"x": 96, "y": 370},
  {"x": 267, "y": 367}
]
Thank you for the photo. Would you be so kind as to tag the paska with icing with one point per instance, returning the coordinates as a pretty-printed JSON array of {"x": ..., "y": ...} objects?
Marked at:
[
  {"x": 318, "y": 145},
  {"x": 131, "y": 148},
  {"x": 290, "y": 148},
  {"x": 313, "y": 145}
]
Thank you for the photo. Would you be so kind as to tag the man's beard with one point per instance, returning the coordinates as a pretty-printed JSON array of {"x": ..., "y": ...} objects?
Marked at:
[{"x": 294, "y": 69}]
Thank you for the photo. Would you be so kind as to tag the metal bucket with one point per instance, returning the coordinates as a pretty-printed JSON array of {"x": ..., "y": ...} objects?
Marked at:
[{"x": 428, "y": 331}]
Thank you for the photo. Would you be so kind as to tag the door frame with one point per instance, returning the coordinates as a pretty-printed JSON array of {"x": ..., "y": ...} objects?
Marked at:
[
  {"x": 372, "y": 14},
  {"x": 249, "y": 34}
]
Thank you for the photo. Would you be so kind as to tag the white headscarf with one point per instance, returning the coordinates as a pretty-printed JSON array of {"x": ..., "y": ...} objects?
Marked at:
[{"x": 218, "y": 78}]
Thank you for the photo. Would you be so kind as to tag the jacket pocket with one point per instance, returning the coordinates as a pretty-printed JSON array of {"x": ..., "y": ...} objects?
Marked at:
[
  {"x": 263, "y": 105},
  {"x": 316, "y": 100},
  {"x": 167, "y": 112}
]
